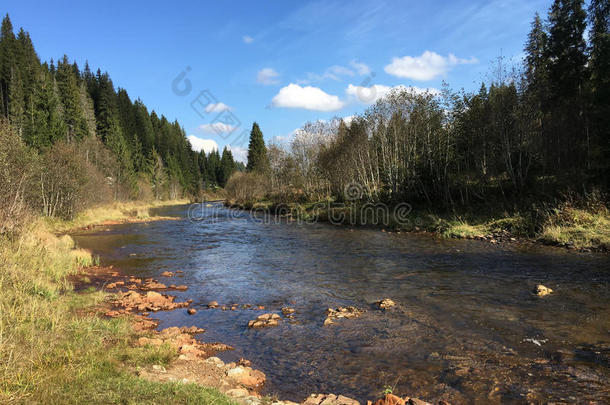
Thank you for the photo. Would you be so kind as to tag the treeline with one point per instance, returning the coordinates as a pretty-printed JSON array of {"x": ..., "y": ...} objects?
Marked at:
[
  {"x": 534, "y": 132},
  {"x": 72, "y": 118}
]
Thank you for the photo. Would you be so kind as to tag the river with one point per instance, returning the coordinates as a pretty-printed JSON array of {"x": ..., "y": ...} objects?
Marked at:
[{"x": 466, "y": 327}]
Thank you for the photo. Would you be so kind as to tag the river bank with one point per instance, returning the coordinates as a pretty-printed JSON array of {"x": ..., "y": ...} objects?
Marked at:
[
  {"x": 567, "y": 226},
  {"x": 56, "y": 347},
  {"x": 68, "y": 335}
]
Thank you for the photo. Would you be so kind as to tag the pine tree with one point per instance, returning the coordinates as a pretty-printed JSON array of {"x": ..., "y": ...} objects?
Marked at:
[
  {"x": 599, "y": 69},
  {"x": 227, "y": 166},
  {"x": 567, "y": 60},
  {"x": 7, "y": 61},
  {"x": 257, "y": 152}
]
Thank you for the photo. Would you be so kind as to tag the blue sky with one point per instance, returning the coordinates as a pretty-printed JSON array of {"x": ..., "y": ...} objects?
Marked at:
[{"x": 280, "y": 63}]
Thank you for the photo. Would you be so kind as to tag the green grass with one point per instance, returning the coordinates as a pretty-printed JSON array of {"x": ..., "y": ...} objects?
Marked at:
[
  {"x": 585, "y": 227},
  {"x": 579, "y": 228},
  {"x": 54, "y": 348}
]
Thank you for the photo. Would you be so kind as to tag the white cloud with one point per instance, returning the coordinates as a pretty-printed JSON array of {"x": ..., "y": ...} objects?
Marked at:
[
  {"x": 361, "y": 68},
  {"x": 247, "y": 39},
  {"x": 239, "y": 154},
  {"x": 369, "y": 95},
  {"x": 198, "y": 144},
  {"x": 337, "y": 72},
  {"x": 217, "y": 127},
  {"x": 427, "y": 66},
  {"x": 217, "y": 107},
  {"x": 267, "y": 76},
  {"x": 308, "y": 97}
]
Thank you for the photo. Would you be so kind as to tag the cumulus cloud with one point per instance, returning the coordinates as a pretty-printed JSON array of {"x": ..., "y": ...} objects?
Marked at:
[
  {"x": 267, "y": 76},
  {"x": 370, "y": 94},
  {"x": 198, "y": 144},
  {"x": 427, "y": 66},
  {"x": 308, "y": 97},
  {"x": 217, "y": 107},
  {"x": 217, "y": 127},
  {"x": 239, "y": 154},
  {"x": 247, "y": 39}
]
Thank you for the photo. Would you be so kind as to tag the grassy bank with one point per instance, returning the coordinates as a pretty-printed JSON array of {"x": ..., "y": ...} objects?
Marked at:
[
  {"x": 54, "y": 347},
  {"x": 574, "y": 226}
]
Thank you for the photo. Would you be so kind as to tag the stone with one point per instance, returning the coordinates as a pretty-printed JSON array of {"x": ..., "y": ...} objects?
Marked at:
[
  {"x": 288, "y": 311},
  {"x": 154, "y": 285},
  {"x": 385, "y": 304},
  {"x": 415, "y": 401},
  {"x": 246, "y": 376},
  {"x": 237, "y": 393},
  {"x": 181, "y": 287},
  {"x": 390, "y": 399},
  {"x": 329, "y": 399},
  {"x": 191, "y": 311},
  {"x": 342, "y": 312},
  {"x": 264, "y": 320},
  {"x": 542, "y": 291},
  {"x": 167, "y": 274}
]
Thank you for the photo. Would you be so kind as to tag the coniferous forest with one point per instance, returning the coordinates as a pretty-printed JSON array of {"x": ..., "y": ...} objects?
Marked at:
[{"x": 86, "y": 141}]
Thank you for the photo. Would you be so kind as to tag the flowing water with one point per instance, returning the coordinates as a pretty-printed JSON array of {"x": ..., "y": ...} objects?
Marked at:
[{"x": 466, "y": 326}]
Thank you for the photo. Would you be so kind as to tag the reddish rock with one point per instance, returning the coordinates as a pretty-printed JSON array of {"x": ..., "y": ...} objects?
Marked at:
[
  {"x": 191, "y": 311},
  {"x": 247, "y": 376},
  {"x": 167, "y": 274},
  {"x": 212, "y": 304}
]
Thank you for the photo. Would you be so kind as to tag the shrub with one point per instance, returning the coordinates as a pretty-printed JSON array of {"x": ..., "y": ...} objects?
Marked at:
[
  {"x": 246, "y": 188},
  {"x": 17, "y": 164}
]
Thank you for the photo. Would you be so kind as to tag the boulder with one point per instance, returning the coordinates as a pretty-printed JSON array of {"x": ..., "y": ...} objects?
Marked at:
[
  {"x": 246, "y": 376},
  {"x": 212, "y": 304},
  {"x": 341, "y": 312},
  {"x": 385, "y": 304},
  {"x": 265, "y": 320},
  {"x": 329, "y": 399},
  {"x": 287, "y": 311},
  {"x": 541, "y": 290},
  {"x": 389, "y": 399}
]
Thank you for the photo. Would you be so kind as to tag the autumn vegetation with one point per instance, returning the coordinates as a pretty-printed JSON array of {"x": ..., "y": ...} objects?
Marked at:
[{"x": 528, "y": 152}]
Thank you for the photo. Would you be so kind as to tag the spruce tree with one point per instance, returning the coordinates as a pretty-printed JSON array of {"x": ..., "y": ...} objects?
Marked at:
[
  {"x": 567, "y": 60},
  {"x": 257, "y": 152},
  {"x": 227, "y": 166}
]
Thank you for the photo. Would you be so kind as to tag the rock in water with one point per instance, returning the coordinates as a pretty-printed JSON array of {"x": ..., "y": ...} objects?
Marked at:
[
  {"x": 541, "y": 290},
  {"x": 385, "y": 304},
  {"x": 341, "y": 312},
  {"x": 264, "y": 321}
]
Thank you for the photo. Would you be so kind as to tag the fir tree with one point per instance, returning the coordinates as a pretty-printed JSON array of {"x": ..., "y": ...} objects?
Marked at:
[{"x": 257, "y": 152}]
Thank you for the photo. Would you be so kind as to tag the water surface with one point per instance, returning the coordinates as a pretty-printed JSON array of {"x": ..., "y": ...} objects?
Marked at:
[{"x": 466, "y": 328}]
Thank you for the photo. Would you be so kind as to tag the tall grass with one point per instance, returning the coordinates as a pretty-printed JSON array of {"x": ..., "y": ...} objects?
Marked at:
[{"x": 54, "y": 347}]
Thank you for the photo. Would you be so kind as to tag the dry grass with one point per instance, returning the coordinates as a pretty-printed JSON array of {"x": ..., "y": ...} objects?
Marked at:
[
  {"x": 55, "y": 351},
  {"x": 111, "y": 212},
  {"x": 583, "y": 229}
]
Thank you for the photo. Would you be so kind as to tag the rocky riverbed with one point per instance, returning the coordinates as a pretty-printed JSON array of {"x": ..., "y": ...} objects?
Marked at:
[{"x": 196, "y": 362}]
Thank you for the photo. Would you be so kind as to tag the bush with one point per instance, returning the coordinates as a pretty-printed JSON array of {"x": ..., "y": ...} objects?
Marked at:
[
  {"x": 246, "y": 188},
  {"x": 17, "y": 164},
  {"x": 69, "y": 182}
]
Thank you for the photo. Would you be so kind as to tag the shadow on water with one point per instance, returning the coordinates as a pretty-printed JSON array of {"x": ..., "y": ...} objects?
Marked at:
[{"x": 466, "y": 326}]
